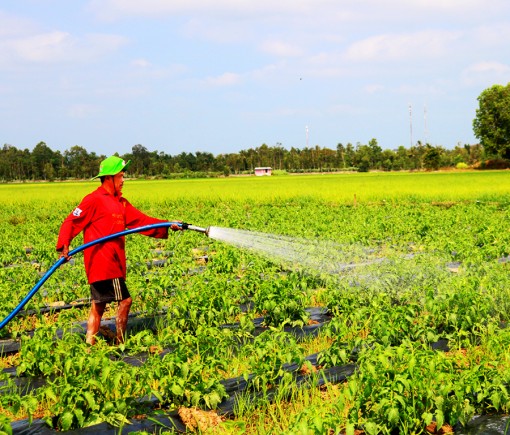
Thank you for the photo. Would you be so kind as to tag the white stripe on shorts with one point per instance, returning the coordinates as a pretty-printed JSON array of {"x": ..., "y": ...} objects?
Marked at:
[{"x": 117, "y": 290}]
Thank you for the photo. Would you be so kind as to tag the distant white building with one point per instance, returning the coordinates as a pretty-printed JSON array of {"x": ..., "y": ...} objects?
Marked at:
[{"x": 266, "y": 170}]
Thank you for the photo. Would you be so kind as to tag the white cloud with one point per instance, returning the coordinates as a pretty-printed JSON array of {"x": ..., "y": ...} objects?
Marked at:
[
  {"x": 202, "y": 28},
  {"x": 394, "y": 47},
  {"x": 280, "y": 48},
  {"x": 46, "y": 47},
  {"x": 437, "y": 5},
  {"x": 304, "y": 15},
  {"x": 144, "y": 69},
  {"x": 114, "y": 9},
  {"x": 486, "y": 73},
  {"x": 330, "y": 72},
  {"x": 141, "y": 63},
  {"x": 226, "y": 79},
  {"x": 495, "y": 34},
  {"x": 57, "y": 47},
  {"x": 11, "y": 25},
  {"x": 326, "y": 65}
]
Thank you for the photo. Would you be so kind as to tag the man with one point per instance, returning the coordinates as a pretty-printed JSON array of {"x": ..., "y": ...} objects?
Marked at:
[{"x": 101, "y": 213}]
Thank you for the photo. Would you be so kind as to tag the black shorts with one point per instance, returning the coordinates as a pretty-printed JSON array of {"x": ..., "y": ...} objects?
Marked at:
[{"x": 109, "y": 290}]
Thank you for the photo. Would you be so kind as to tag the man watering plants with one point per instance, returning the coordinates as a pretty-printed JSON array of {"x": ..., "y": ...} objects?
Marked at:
[{"x": 101, "y": 213}]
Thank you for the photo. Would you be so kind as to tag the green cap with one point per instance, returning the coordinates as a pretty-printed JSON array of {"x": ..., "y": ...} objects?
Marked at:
[{"x": 111, "y": 166}]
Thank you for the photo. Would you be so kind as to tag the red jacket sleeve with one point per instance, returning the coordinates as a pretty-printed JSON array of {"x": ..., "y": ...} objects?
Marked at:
[
  {"x": 135, "y": 218},
  {"x": 75, "y": 222}
]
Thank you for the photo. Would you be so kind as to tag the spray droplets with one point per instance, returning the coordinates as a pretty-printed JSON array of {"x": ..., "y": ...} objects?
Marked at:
[
  {"x": 316, "y": 256},
  {"x": 350, "y": 265}
]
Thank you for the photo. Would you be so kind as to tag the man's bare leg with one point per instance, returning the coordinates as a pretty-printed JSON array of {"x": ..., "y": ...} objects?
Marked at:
[
  {"x": 122, "y": 318},
  {"x": 94, "y": 322}
]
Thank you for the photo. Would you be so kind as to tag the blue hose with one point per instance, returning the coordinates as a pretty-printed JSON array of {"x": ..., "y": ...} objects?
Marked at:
[{"x": 75, "y": 251}]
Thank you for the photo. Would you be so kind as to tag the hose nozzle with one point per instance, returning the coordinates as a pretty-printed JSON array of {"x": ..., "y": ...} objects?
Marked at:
[{"x": 186, "y": 226}]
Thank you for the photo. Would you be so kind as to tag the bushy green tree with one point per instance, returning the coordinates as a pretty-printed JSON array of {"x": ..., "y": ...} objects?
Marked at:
[
  {"x": 432, "y": 157},
  {"x": 492, "y": 123}
]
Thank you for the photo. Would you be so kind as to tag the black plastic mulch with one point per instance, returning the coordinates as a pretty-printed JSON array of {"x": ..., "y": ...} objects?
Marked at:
[{"x": 136, "y": 323}]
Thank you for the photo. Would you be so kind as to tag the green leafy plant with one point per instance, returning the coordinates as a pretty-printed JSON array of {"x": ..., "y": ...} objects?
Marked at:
[
  {"x": 281, "y": 299},
  {"x": 269, "y": 353}
]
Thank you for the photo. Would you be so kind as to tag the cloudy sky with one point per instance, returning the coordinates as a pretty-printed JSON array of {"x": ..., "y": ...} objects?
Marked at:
[{"x": 226, "y": 75}]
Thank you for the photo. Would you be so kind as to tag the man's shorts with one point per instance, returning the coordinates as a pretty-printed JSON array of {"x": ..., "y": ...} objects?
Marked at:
[{"x": 109, "y": 290}]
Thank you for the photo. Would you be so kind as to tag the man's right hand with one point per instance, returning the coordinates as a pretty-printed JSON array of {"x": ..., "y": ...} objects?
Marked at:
[
  {"x": 65, "y": 253},
  {"x": 176, "y": 226}
]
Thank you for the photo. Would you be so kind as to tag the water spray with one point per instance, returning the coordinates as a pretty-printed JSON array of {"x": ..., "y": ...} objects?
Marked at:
[
  {"x": 314, "y": 255},
  {"x": 342, "y": 264}
]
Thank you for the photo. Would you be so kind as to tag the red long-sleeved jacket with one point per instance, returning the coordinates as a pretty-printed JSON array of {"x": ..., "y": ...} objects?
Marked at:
[{"x": 101, "y": 214}]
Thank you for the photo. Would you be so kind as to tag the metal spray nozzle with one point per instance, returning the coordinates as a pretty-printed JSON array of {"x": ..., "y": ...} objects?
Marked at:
[{"x": 186, "y": 226}]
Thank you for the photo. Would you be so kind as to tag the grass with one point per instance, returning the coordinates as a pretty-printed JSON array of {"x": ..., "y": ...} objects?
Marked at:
[{"x": 283, "y": 414}]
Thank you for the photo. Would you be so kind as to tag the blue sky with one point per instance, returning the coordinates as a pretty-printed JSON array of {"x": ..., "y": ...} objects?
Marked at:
[{"x": 226, "y": 75}]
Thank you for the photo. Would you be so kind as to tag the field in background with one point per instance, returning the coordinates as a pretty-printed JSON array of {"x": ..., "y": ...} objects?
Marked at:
[
  {"x": 437, "y": 186},
  {"x": 442, "y": 283}
]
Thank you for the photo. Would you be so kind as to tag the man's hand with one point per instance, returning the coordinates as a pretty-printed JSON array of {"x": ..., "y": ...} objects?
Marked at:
[
  {"x": 65, "y": 253},
  {"x": 176, "y": 227}
]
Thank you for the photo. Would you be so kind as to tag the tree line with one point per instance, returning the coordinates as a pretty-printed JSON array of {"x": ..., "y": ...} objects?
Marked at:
[
  {"x": 43, "y": 163},
  {"x": 491, "y": 126}
]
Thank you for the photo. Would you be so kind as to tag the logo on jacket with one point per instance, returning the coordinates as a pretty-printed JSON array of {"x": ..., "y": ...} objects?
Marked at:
[{"x": 77, "y": 212}]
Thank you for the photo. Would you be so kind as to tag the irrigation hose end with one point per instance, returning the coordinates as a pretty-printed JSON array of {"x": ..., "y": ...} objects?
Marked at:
[{"x": 195, "y": 228}]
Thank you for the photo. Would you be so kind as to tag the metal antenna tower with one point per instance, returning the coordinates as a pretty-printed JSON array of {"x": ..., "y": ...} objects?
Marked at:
[
  {"x": 411, "y": 124},
  {"x": 426, "y": 132}
]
